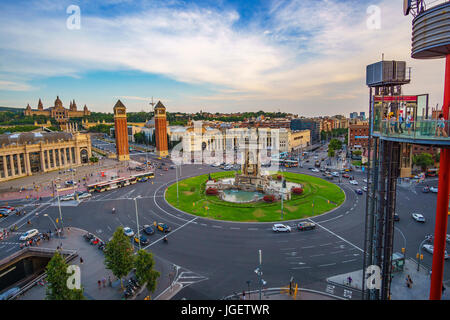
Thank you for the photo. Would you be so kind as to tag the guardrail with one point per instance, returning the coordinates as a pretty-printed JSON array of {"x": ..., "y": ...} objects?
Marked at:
[{"x": 420, "y": 129}]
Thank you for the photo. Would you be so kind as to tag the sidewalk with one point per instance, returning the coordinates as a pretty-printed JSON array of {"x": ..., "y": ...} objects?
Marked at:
[
  {"x": 93, "y": 269},
  {"x": 277, "y": 294},
  {"x": 420, "y": 289},
  {"x": 40, "y": 185}
]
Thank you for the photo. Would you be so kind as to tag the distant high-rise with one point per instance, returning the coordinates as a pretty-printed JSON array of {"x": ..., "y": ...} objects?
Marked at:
[
  {"x": 362, "y": 115},
  {"x": 307, "y": 124},
  {"x": 121, "y": 131}
]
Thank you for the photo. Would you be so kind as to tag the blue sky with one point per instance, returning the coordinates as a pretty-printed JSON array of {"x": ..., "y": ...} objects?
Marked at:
[{"x": 302, "y": 56}]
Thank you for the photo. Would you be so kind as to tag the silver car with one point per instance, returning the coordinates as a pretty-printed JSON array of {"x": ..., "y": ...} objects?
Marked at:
[
  {"x": 281, "y": 228},
  {"x": 418, "y": 217},
  {"x": 429, "y": 248}
]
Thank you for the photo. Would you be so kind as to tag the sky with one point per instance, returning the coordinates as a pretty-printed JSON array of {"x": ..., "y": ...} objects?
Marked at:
[{"x": 306, "y": 57}]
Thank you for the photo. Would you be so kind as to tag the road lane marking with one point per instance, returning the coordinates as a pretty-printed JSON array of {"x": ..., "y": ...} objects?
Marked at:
[
  {"x": 327, "y": 265},
  {"x": 349, "y": 261},
  {"x": 172, "y": 232}
]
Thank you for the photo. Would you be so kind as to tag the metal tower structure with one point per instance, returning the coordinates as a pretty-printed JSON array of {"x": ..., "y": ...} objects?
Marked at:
[
  {"x": 388, "y": 143},
  {"x": 385, "y": 80}
]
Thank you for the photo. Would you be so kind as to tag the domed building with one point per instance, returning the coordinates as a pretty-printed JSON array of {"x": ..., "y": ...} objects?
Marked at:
[{"x": 57, "y": 111}]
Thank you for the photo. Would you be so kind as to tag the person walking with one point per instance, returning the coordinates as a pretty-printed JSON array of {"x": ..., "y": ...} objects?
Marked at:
[
  {"x": 81, "y": 260},
  {"x": 99, "y": 284},
  {"x": 104, "y": 282},
  {"x": 109, "y": 281},
  {"x": 408, "y": 122}
]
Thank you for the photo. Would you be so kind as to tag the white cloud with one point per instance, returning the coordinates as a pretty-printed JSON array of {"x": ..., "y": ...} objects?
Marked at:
[
  {"x": 310, "y": 56},
  {"x": 14, "y": 86}
]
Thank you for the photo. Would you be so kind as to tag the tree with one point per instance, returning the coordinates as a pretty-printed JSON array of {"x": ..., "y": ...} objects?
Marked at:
[
  {"x": 119, "y": 255},
  {"x": 144, "y": 264},
  {"x": 331, "y": 152},
  {"x": 423, "y": 160},
  {"x": 335, "y": 144},
  {"x": 93, "y": 159},
  {"x": 357, "y": 152},
  {"x": 57, "y": 281}
]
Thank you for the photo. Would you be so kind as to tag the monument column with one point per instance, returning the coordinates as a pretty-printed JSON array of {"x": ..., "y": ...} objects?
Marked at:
[
  {"x": 11, "y": 161},
  {"x": 41, "y": 155},
  {"x": 48, "y": 159},
  {"x": 161, "y": 130},
  {"x": 54, "y": 158},
  {"x": 19, "y": 164},
  {"x": 27, "y": 163},
  {"x": 59, "y": 157}
]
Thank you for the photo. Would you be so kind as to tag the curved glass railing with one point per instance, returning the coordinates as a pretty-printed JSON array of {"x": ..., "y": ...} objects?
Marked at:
[{"x": 418, "y": 130}]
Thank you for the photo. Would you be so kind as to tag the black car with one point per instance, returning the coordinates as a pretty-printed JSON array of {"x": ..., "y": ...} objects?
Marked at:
[
  {"x": 149, "y": 230},
  {"x": 396, "y": 217}
]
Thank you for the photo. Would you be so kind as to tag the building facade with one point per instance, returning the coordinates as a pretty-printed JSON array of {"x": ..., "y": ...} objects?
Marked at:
[
  {"x": 121, "y": 132},
  {"x": 358, "y": 137},
  {"x": 23, "y": 154},
  {"x": 307, "y": 124},
  {"x": 299, "y": 139},
  {"x": 57, "y": 112},
  {"x": 161, "y": 130}
]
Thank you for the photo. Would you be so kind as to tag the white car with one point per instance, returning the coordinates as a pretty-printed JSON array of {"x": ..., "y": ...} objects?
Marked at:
[
  {"x": 281, "y": 228},
  {"x": 335, "y": 174},
  {"x": 128, "y": 232},
  {"x": 418, "y": 217},
  {"x": 364, "y": 188},
  {"x": 68, "y": 197},
  {"x": 29, "y": 234},
  {"x": 84, "y": 195},
  {"x": 434, "y": 189},
  {"x": 365, "y": 180},
  {"x": 429, "y": 248},
  {"x": 315, "y": 170},
  {"x": 353, "y": 182}
]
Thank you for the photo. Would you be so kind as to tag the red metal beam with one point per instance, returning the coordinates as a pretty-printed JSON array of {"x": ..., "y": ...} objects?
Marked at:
[{"x": 440, "y": 229}]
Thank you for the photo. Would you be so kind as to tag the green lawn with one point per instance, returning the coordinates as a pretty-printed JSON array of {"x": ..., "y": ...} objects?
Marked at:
[{"x": 192, "y": 199}]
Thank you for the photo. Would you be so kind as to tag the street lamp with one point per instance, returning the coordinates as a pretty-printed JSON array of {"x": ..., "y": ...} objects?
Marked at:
[
  {"x": 259, "y": 273},
  {"x": 59, "y": 207},
  {"x": 137, "y": 222},
  {"x": 46, "y": 215}
]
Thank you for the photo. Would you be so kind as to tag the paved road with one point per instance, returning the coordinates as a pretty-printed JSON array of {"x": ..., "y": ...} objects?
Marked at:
[{"x": 218, "y": 258}]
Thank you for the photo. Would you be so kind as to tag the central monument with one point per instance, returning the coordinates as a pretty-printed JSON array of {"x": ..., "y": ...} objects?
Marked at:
[
  {"x": 161, "y": 130},
  {"x": 250, "y": 178}
]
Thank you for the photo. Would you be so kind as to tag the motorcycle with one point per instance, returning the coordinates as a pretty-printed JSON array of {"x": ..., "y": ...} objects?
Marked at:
[
  {"x": 165, "y": 240},
  {"x": 113, "y": 210},
  {"x": 95, "y": 241}
]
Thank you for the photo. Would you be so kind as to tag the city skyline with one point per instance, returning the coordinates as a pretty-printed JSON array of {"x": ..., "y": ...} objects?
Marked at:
[{"x": 305, "y": 58}]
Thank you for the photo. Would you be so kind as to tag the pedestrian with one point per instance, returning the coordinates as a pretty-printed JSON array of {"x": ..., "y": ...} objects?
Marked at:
[
  {"x": 243, "y": 295},
  {"x": 440, "y": 127},
  {"x": 99, "y": 284},
  {"x": 443, "y": 288},
  {"x": 109, "y": 281},
  {"x": 81, "y": 260},
  {"x": 104, "y": 282}
]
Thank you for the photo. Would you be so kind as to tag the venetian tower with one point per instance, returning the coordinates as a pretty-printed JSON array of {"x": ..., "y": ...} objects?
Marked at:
[
  {"x": 121, "y": 131},
  {"x": 161, "y": 130}
]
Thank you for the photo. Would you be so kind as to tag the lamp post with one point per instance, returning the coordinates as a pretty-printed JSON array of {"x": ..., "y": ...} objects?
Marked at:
[
  {"x": 59, "y": 208},
  {"x": 176, "y": 174},
  {"x": 46, "y": 215},
  {"x": 137, "y": 222},
  {"x": 259, "y": 273}
]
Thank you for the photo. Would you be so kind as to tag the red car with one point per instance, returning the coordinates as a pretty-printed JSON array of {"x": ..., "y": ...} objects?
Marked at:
[{"x": 345, "y": 176}]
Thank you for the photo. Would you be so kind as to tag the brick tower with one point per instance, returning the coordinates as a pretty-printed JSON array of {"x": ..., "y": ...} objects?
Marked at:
[
  {"x": 121, "y": 131},
  {"x": 161, "y": 130}
]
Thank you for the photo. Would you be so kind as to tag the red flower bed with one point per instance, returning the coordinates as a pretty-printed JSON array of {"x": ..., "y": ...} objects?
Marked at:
[
  {"x": 297, "y": 190},
  {"x": 212, "y": 191},
  {"x": 279, "y": 177},
  {"x": 269, "y": 198}
]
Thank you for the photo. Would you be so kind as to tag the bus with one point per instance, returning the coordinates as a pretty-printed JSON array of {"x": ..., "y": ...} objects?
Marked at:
[
  {"x": 144, "y": 176},
  {"x": 111, "y": 185},
  {"x": 290, "y": 163},
  {"x": 432, "y": 172}
]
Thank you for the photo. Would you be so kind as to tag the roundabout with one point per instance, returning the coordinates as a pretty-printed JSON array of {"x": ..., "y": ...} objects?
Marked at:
[{"x": 318, "y": 196}]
